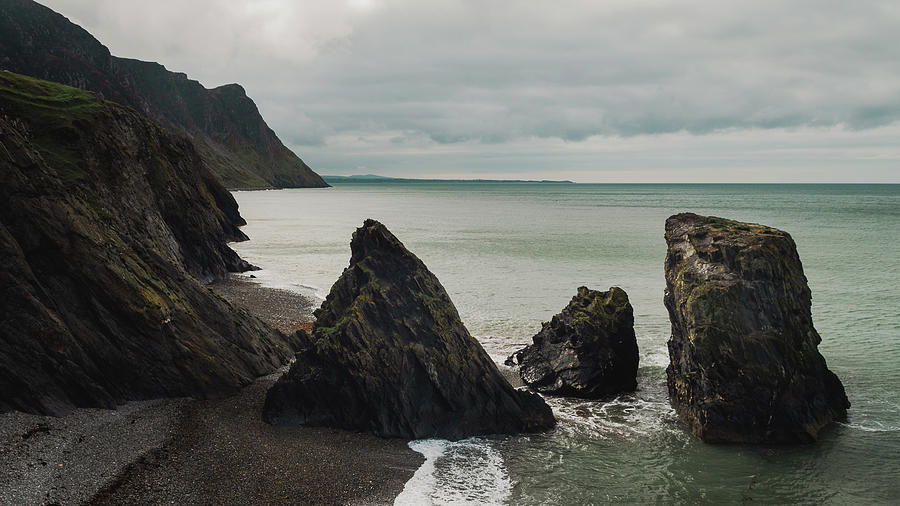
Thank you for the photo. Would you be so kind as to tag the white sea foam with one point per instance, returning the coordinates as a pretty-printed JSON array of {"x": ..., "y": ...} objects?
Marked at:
[
  {"x": 655, "y": 357},
  {"x": 623, "y": 417},
  {"x": 456, "y": 473},
  {"x": 421, "y": 487},
  {"x": 874, "y": 426},
  {"x": 874, "y": 413}
]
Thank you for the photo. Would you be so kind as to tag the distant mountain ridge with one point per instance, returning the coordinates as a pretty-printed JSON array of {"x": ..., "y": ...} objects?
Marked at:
[
  {"x": 374, "y": 178},
  {"x": 233, "y": 139}
]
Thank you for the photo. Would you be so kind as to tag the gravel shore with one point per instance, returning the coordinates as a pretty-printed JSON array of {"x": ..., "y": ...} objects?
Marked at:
[
  {"x": 223, "y": 453},
  {"x": 66, "y": 460},
  {"x": 181, "y": 451},
  {"x": 285, "y": 310}
]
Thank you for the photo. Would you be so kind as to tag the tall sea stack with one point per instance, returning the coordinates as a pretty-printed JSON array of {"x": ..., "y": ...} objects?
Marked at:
[
  {"x": 389, "y": 355},
  {"x": 745, "y": 367}
]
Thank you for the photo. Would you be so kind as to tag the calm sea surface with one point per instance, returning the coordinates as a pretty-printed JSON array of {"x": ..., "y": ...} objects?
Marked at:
[{"x": 512, "y": 255}]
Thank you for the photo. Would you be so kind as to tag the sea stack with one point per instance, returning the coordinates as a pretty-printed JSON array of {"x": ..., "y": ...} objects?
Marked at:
[
  {"x": 588, "y": 350},
  {"x": 388, "y": 354},
  {"x": 745, "y": 367}
]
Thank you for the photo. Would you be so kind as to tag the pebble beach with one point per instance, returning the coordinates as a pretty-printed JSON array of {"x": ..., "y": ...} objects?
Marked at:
[{"x": 215, "y": 451}]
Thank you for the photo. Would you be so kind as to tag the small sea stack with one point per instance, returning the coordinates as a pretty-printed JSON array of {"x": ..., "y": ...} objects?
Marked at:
[
  {"x": 588, "y": 350},
  {"x": 744, "y": 364},
  {"x": 388, "y": 354}
]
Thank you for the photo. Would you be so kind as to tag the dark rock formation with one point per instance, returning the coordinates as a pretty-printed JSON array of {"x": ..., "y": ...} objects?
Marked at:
[
  {"x": 107, "y": 222},
  {"x": 744, "y": 360},
  {"x": 231, "y": 136},
  {"x": 389, "y": 354},
  {"x": 588, "y": 350}
]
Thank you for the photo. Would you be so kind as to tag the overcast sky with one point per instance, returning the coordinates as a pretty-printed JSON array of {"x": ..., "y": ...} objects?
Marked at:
[{"x": 618, "y": 90}]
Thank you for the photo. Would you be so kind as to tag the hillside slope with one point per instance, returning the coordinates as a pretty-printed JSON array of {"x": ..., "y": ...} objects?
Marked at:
[
  {"x": 107, "y": 225},
  {"x": 225, "y": 124}
]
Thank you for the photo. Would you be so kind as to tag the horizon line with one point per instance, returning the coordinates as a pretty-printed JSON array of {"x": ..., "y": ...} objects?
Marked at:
[{"x": 373, "y": 178}]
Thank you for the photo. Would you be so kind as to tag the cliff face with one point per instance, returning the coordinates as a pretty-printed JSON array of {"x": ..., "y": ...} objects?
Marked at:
[
  {"x": 588, "y": 350},
  {"x": 389, "y": 354},
  {"x": 230, "y": 135},
  {"x": 107, "y": 222},
  {"x": 744, "y": 360}
]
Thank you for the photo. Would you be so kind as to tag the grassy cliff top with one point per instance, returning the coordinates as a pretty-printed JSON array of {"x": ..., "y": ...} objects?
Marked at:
[
  {"x": 47, "y": 102},
  {"x": 56, "y": 116}
]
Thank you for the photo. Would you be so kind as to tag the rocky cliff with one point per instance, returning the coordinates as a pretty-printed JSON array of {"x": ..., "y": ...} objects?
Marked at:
[
  {"x": 231, "y": 136},
  {"x": 389, "y": 354},
  {"x": 588, "y": 350},
  {"x": 744, "y": 360},
  {"x": 107, "y": 222}
]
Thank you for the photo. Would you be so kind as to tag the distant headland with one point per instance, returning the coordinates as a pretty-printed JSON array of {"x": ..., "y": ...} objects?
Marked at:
[{"x": 374, "y": 178}]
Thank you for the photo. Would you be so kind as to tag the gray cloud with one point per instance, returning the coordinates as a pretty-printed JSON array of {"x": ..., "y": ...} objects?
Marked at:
[{"x": 483, "y": 75}]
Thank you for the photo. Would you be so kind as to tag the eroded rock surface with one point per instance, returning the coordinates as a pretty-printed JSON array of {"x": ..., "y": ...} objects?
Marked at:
[
  {"x": 108, "y": 225},
  {"x": 388, "y": 354},
  {"x": 744, "y": 360},
  {"x": 588, "y": 350}
]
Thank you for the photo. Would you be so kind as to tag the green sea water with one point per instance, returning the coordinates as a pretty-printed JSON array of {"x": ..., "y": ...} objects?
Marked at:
[{"x": 512, "y": 255}]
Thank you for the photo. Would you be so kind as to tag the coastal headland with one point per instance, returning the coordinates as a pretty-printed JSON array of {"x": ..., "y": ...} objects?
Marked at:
[{"x": 142, "y": 363}]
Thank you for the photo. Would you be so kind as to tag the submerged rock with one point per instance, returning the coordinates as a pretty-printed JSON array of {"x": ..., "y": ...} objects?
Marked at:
[
  {"x": 588, "y": 350},
  {"x": 744, "y": 360},
  {"x": 389, "y": 354}
]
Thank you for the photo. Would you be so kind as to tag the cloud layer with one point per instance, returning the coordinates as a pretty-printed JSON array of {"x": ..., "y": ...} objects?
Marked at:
[{"x": 467, "y": 87}]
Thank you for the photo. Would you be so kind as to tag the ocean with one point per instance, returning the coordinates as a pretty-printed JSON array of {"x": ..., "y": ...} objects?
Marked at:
[{"x": 511, "y": 255}]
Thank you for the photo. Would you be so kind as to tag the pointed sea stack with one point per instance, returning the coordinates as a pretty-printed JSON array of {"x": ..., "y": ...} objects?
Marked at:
[
  {"x": 588, "y": 350},
  {"x": 389, "y": 354},
  {"x": 745, "y": 367}
]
